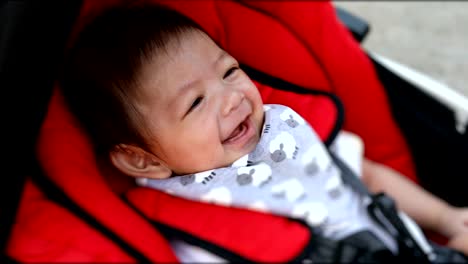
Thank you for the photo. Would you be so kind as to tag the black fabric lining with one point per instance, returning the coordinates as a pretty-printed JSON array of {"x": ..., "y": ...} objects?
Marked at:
[
  {"x": 7, "y": 260},
  {"x": 304, "y": 44},
  {"x": 280, "y": 84},
  {"x": 32, "y": 35},
  {"x": 53, "y": 192}
]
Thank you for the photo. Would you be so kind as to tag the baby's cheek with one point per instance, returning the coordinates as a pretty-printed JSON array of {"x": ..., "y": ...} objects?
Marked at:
[{"x": 208, "y": 157}]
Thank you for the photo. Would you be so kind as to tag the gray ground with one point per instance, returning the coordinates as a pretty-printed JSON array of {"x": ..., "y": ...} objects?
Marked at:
[{"x": 431, "y": 37}]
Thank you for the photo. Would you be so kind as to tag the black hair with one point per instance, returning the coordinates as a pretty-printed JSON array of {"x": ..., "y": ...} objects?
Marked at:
[{"x": 99, "y": 73}]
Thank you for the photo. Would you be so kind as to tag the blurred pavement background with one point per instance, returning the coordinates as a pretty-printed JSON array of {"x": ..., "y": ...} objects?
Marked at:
[{"x": 430, "y": 37}]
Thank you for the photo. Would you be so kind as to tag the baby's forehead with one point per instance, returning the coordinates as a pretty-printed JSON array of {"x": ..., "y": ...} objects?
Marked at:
[
  {"x": 175, "y": 41},
  {"x": 189, "y": 57},
  {"x": 188, "y": 44}
]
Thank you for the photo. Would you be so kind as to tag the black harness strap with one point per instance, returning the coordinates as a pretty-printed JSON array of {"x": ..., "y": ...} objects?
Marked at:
[
  {"x": 349, "y": 177},
  {"x": 383, "y": 211}
]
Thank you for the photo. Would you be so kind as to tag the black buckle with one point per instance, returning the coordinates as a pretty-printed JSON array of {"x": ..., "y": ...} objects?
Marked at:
[
  {"x": 383, "y": 210},
  {"x": 361, "y": 247}
]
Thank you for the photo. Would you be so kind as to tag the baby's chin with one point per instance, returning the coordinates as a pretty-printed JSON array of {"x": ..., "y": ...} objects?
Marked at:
[{"x": 240, "y": 155}]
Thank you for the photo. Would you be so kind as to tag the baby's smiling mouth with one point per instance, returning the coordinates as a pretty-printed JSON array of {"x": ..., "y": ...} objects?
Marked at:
[{"x": 239, "y": 132}]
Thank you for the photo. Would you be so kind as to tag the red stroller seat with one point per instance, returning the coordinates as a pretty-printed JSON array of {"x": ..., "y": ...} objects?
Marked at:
[{"x": 299, "y": 54}]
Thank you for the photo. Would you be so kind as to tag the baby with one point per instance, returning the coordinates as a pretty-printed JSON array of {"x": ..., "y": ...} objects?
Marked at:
[{"x": 161, "y": 101}]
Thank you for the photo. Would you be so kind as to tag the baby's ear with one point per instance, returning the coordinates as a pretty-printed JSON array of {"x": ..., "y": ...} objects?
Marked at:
[{"x": 136, "y": 162}]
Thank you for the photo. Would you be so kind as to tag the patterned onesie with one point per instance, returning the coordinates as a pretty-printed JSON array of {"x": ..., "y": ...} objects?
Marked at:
[{"x": 289, "y": 173}]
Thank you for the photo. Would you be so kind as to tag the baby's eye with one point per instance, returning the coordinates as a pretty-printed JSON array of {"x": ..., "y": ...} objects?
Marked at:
[
  {"x": 231, "y": 71},
  {"x": 195, "y": 103}
]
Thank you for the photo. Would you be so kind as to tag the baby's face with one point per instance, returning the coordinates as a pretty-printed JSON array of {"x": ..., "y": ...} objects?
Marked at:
[{"x": 201, "y": 109}]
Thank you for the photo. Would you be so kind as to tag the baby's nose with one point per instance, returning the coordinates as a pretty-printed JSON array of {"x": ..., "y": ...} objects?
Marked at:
[{"x": 233, "y": 100}]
